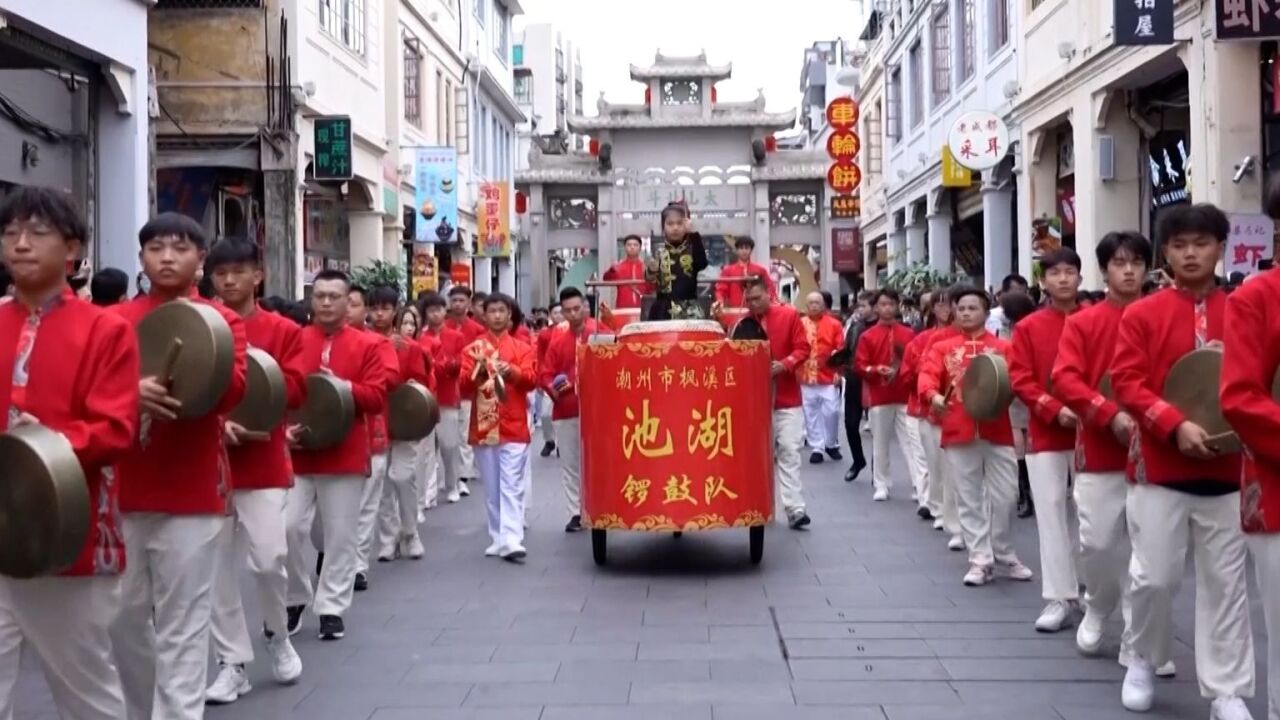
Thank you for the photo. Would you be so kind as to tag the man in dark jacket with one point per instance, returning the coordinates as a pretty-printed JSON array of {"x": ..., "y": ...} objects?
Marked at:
[{"x": 843, "y": 358}]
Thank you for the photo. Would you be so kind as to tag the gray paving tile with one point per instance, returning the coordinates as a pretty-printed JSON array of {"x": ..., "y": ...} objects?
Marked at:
[
  {"x": 862, "y": 648},
  {"x": 750, "y": 670},
  {"x": 877, "y": 670},
  {"x": 642, "y": 633},
  {"x": 566, "y": 651},
  {"x": 708, "y": 651},
  {"x": 633, "y": 670},
  {"x": 1009, "y": 711},
  {"x": 846, "y": 631},
  {"x": 482, "y": 672},
  {"x": 1042, "y": 647},
  {"x": 533, "y": 712},
  {"x": 627, "y": 712},
  {"x": 1024, "y": 668},
  {"x": 743, "y": 633},
  {"x": 796, "y": 712},
  {"x": 873, "y": 693},
  {"x": 715, "y": 691},
  {"x": 566, "y": 693}
]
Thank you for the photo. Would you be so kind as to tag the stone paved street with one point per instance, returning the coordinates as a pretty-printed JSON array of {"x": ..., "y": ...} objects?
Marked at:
[{"x": 861, "y": 618}]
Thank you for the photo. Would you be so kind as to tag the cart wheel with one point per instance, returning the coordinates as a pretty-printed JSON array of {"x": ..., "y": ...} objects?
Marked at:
[
  {"x": 598, "y": 545},
  {"x": 756, "y": 535}
]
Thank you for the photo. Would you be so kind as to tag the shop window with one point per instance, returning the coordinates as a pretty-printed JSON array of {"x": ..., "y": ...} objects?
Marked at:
[
  {"x": 968, "y": 40},
  {"x": 343, "y": 20},
  {"x": 999, "y": 25},
  {"x": 412, "y": 81},
  {"x": 523, "y": 89},
  {"x": 893, "y": 105},
  {"x": 787, "y": 209},
  {"x": 941, "y": 52}
]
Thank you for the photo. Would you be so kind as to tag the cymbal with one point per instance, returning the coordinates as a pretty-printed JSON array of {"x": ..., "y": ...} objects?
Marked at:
[
  {"x": 328, "y": 413},
  {"x": 44, "y": 503},
  {"x": 1192, "y": 387},
  {"x": 985, "y": 391},
  {"x": 413, "y": 412},
  {"x": 265, "y": 401},
  {"x": 748, "y": 328},
  {"x": 188, "y": 346}
]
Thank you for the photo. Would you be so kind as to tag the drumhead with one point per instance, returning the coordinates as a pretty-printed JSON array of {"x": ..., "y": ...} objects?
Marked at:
[
  {"x": 201, "y": 370},
  {"x": 44, "y": 503},
  {"x": 328, "y": 414},
  {"x": 985, "y": 390},
  {"x": 265, "y": 399},
  {"x": 654, "y": 327}
]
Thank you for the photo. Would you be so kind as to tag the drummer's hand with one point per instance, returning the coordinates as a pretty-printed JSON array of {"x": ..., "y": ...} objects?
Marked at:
[
  {"x": 717, "y": 309},
  {"x": 1067, "y": 418},
  {"x": 776, "y": 368},
  {"x": 156, "y": 401},
  {"x": 230, "y": 433},
  {"x": 1123, "y": 427},
  {"x": 504, "y": 368},
  {"x": 25, "y": 419},
  {"x": 884, "y": 370},
  {"x": 1214, "y": 344},
  {"x": 293, "y": 434},
  {"x": 939, "y": 404},
  {"x": 1192, "y": 441},
  {"x": 325, "y": 371},
  {"x": 651, "y": 264}
]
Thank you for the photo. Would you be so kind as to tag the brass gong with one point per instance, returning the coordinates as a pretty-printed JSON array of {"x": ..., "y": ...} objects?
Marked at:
[
  {"x": 44, "y": 503},
  {"x": 413, "y": 412},
  {"x": 1192, "y": 387},
  {"x": 189, "y": 347},
  {"x": 328, "y": 413},
  {"x": 265, "y": 398},
  {"x": 986, "y": 391}
]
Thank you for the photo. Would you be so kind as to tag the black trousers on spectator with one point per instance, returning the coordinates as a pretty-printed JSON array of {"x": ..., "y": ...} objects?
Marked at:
[{"x": 853, "y": 418}]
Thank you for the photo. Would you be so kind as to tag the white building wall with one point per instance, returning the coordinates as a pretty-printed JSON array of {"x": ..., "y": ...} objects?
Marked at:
[{"x": 114, "y": 33}]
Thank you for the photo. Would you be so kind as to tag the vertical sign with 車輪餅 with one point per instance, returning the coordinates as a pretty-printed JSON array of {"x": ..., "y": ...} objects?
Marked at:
[
  {"x": 332, "y": 148},
  {"x": 493, "y": 234},
  {"x": 1144, "y": 22},
  {"x": 1246, "y": 19},
  {"x": 843, "y": 145}
]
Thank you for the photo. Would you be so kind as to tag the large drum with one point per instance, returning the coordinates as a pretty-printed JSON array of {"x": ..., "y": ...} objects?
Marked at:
[
  {"x": 985, "y": 390},
  {"x": 1192, "y": 387},
  {"x": 328, "y": 414},
  {"x": 265, "y": 397},
  {"x": 413, "y": 412},
  {"x": 661, "y": 331},
  {"x": 188, "y": 346},
  {"x": 44, "y": 503}
]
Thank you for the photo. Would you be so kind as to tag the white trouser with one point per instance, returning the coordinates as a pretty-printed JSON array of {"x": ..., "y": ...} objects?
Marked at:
[
  {"x": 885, "y": 421},
  {"x": 502, "y": 469},
  {"x": 1266, "y": 561},
  {"x": 1050, "y": 475},
  {"x": 398, "y": 509},
  {"x": 941, "y": 499},
  {"x": 821, "y": 416},
  {"x": 449, "y": 442},
  {"x": 161, "y": 637},
  {"x": 1104, "y": 539},
  {"x": 466, "y": 454},
  {"x": 67, "y": 621},
  {"x": 917, "y": 463},
  {"x": 336, "y": 499},
  {"x": 1162, "y": 523},
  {"x": 370, "y": 501},
  {"x": 788, "y": 436},
  {"x": 986, "y": 481},
  {"x": 526, "y": 497},
  {"x": 426, "y": 471},
  {"x": 569, "y": 444},
  {"x": 256, "y": 534},
  {"x": 543, "y": 408}
]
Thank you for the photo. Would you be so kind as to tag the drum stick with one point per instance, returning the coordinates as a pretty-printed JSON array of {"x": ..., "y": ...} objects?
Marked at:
[
  {"x": 254, "y": 435},
  {"x": 170, "y": 361}
]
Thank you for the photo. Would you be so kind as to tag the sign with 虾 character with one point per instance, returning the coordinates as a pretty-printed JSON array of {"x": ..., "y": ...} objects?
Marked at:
[
  {"x": 677, "y": 435},
  {"x": 332, "y": 148},
  {"x": 1252, "y": 239},
  {"x": 978, "y": 140},
  {"x": 1246, "y": 19}
]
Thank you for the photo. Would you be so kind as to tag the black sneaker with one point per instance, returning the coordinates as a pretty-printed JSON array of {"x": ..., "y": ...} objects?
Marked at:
[
  {"x": 547, "y": 449},
  {"x": 815, "y": 458},
  {"x": 362, "y": 581},
  {"x": 834, "y": 453},
  {"x": 331, "y": 627},
  {"x": 924, "y": 513},
  {"x": 574, "y": 524},
  {"x": 294, "y": 613},
  {"x": 801, "y": 520},
  {"x": 319, "y": 563},
  {"x": 854, "y": 471}
]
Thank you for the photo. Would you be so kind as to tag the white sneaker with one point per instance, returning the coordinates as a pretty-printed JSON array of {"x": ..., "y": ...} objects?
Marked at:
[
  {"x": 463, "y": 490},
  {"x": 1014, "y": 570},
  {"x": 454, "y": 497},
  {"x": 411, "y": 546},
  {"x": 880, "y": 495},
  {"x": 230, "y": 684},
  {"x": 492, "y": 550},
  {"x": 286, "y": 666},
  {"x": 956, "y": 543},
  {"x": 937, "y": 523},
  {"x": 1053, "y": 617},
  {"x": 1229, "y": 707},
  {"x": 1089, "y": 634},
  {"x": 1167, "y": 670},
  {"x": 422, "y": 516},
  {"x": 514, "y": 553},
  {"x": 977, "y": 575},
  {"x": 1139, "y": 688}
]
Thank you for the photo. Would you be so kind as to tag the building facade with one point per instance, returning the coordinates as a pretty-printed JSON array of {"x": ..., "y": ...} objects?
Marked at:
[
  {"x": 926, "y": 64},
  {"x": 548, "y": 88},
  {"x": 830, "y": 70},
  {"x": 77, "y": 114}
]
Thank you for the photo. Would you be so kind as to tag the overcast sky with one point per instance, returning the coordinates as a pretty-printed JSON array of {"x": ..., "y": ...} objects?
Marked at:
[{"x": 766, "y": 47}]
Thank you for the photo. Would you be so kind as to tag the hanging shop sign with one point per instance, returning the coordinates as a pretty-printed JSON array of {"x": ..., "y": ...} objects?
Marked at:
[
  {"x": 845, "y": 207},
  {"x": 842, "y": 113},
  {"x": 954, "y": 175},
  {"x": 979, "y": 140},
  {"x": 332, "y": 148},
  {"x": 424, "y": 268},
  {"x": 843, "y": 145},
  {"x": 1144, "y": 22},
  {"x": 844, "y": 178},
  {"x": 1252, "y": 239},
  {"x": 846, "y": 250},
  {"x": 1246, "y": 19},
  {"x": 435, "y": 194},
  {"x": 493, "y": 220}
]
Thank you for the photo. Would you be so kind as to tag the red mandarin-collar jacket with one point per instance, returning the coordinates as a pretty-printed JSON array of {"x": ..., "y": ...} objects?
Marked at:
[
  {"x": 180, "y": 467},
  {"x": 1031, "y": 355},
  {"x": 943, "y": 368},
  {"x": 1251, "y": 354},
  {"x": 521, "y": 333},
  {"x": 1154, "y": 333},
  {"x": 789, "y": 346},
  {"x": 1085, "y": 353},
  {"x": 359, "y": 358},
  {"x": 629, "y": 295},
  {"x": 876, "y": 348},
  {"x": 379, "y": 438},
  {"x": 445, "y": 348},
  {"x": 470, "y": 329},
  {"x": 731, "y": 293},
  {"x": 912, "y": 361},
  {"x": 494, "y": 422},
  {"x": 825, "y": 336},
  {"x": 562, "y": 359},
  {"x": 259, "y": 465},
  {"x": 82, "y": 382}
]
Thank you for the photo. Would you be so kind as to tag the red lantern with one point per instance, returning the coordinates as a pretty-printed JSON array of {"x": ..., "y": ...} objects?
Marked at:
[
  {"x": 593, "y": 147},
  {"x": 522, "y": 203},
  {"x": 770, "y": 143},
  {"x": 648, "y": 96}
]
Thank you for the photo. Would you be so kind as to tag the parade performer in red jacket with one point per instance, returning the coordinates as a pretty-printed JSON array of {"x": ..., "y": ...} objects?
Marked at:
[
  {"x": 730, "y": 294},
  {"x": 557, "y": 375},
  {"x": 445, "y": 347},
  {"x": 819, "y": 386},
  {"x": 880, "y": 351},
  {"x": 630, "y": 267}
]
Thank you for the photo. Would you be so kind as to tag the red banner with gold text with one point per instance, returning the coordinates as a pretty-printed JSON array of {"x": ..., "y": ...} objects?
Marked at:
[{"x": 676, "y": 435}]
